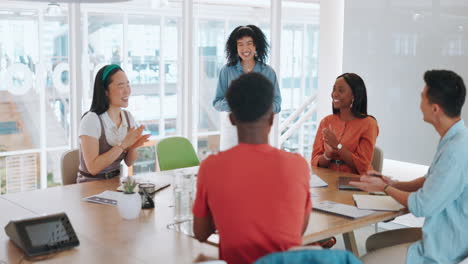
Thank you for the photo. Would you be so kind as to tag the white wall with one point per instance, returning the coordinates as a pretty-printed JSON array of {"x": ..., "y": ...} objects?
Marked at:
[{"x": 391, "y": 43}]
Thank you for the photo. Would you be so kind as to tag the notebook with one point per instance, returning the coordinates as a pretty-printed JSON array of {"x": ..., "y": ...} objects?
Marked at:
[
  {"x": 341, "y": 209},
  {"x": 377, "y": 202},
  {"x": 343, "y": 183}
]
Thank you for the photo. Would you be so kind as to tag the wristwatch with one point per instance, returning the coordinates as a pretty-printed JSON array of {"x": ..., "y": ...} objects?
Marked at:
[{"x": 339, "y": 146}]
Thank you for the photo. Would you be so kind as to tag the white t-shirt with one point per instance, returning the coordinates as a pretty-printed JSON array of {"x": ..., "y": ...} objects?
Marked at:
[{"x": 90, "y": 126}]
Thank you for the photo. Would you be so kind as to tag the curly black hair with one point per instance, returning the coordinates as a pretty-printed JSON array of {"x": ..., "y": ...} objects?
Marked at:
[
  {"x": 259, "y": 40},
  {"x": 250, "y": 97}
]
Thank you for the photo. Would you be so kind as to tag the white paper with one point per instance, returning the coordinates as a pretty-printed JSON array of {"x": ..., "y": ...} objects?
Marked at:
[
  {"x": 341, "y": 209},
  {"x": 316, "y": 181},
  {"x": 377, "y": 202}
]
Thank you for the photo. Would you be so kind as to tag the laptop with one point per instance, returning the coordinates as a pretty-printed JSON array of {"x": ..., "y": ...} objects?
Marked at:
[{"x": 343, "y": 183}]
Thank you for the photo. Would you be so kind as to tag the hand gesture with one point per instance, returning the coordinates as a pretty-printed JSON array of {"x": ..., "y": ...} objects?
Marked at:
[
  {"x": 329, "y": 138},
  {"x": 132, "y": 136},
  {"x": 386, "y": 179},
  {"x": 141, "y": 141},
  {"x": 331, "y": 152},
  {"x": 370, "y": 183}
]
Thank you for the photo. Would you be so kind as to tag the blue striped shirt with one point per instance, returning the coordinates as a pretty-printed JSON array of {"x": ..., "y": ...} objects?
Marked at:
[
  {"x": 230, "y": 73},
  {"x": 443, "y": 200}
]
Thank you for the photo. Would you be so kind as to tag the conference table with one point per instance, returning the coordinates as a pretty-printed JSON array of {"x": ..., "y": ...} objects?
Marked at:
[{"x": 107, "y": 238}]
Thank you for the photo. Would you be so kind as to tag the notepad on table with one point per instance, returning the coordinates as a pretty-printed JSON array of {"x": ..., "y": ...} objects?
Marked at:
[
  {"x": 341, "y": 209},
  {"x": 377, "y": 202}
]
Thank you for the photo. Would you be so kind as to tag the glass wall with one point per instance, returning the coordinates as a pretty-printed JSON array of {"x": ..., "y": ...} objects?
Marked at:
[
  {"x": 299, "y": 65},
  {"x": 145, "y": 38},
  {"x": 34, "y": 96}
]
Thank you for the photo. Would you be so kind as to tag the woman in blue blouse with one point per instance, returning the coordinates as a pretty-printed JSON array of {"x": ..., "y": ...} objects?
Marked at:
[{"x": 246, "y": 51}]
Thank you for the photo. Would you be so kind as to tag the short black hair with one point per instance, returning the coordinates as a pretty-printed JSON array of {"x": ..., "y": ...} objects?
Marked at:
[
  {"x": 259, "y": 39},
  {"x": 358, "y": 88},
  {"x": 447, "y": 89},
  {"x": 250, "y": 97},
  {"x": 100, "y": 102}
]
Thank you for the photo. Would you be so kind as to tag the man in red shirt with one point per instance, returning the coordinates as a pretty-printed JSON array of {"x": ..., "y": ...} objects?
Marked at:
[{"x": 255, "y": 195}]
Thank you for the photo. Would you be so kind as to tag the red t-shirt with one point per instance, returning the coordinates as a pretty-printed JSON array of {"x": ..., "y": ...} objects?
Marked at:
[{"x": 258, "y": 196}]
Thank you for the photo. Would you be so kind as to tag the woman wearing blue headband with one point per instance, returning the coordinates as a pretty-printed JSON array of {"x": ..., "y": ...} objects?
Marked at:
[
  {"x": 108, "y": 134},
  {"x": 246, "y": 51}
]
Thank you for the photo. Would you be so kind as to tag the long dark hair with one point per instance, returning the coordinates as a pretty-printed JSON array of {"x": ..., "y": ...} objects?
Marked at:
[
  {"x": 358, "y": 88},
  {"x": 259, "y": 40},
  {"x": 100, "y": 102}
]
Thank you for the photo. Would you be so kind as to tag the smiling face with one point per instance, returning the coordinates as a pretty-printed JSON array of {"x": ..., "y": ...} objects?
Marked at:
[
  {"x": 342, "y": 95},
  {"x": 246, "y": 48},
  {"x": 119, "y": 90}
]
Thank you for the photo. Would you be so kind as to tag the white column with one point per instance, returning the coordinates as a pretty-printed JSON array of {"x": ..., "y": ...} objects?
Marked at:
[
  {"x": 275, "y": 59},
  {"x": 330, "y": 52},
  {"x": 162, "y": 77},
  {"x": 75, "y": 57},
  {"x": 40, "y": 84},
  {"x": 187, "y": 56}
]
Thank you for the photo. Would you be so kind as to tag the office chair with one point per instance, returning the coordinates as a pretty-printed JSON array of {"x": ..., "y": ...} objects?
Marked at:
[
  {"x": 69, "y": 164},
  {"x": 175, "y": 153},
  {"x": 310, "y": 256},
  {"x": 377, "y": 159}
]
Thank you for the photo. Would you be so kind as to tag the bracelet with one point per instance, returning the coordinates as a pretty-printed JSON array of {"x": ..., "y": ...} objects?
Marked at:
[
  {"x": 385, "y": 188},
  {"x": 325, "y": 156}
]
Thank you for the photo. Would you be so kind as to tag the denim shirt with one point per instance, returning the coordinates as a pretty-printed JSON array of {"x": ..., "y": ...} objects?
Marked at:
[
  {"x": 443, "y": 200},
  {"x": 230, "y": 73}
]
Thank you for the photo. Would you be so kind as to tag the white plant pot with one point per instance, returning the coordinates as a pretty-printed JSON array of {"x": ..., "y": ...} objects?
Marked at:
[{"x": 129, "y": 205}]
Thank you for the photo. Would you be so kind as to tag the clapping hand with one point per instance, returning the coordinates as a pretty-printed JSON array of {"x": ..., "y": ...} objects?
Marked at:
[
  {"x": 329, "y": 138},
  {"x": 141, "y": 141},
  {"x": 372, "y": 181},
  {"x": 134, "y": 138}
]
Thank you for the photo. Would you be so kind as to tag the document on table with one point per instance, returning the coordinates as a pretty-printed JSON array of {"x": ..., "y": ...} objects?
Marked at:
[
  {"x": 341, "y": 209},
  {"x": 106, "y": 197},
  {"x": 377, "y": 202},
  {"x": 316, "y": 181}
]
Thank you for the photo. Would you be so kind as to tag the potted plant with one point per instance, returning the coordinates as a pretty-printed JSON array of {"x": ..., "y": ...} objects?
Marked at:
[{"x": 129, "y": 204}]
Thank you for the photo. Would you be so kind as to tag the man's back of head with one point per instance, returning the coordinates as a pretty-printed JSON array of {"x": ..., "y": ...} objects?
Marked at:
[{"x": 250, "y": 98}]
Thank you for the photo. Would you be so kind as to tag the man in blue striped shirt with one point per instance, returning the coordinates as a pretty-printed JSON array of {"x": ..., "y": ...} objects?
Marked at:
[{"x": 442, "y": 195}]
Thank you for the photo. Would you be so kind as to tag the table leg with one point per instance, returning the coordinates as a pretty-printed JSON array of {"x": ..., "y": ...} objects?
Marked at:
[{"x": 350, "y": 243}]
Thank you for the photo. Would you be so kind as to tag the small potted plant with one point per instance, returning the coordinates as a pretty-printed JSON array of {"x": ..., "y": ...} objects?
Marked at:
[{"x": 129, "y": 204}]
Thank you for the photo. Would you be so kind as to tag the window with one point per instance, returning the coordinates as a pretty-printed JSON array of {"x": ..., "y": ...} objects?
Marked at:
[{"x": 34, "y": 97}]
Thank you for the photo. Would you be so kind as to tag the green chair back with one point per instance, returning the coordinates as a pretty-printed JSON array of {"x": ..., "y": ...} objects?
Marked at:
[{"x": 175, "y": 153}]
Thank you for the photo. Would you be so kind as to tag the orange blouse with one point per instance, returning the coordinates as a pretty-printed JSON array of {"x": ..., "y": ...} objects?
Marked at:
[{"x": 358, "y": 136}]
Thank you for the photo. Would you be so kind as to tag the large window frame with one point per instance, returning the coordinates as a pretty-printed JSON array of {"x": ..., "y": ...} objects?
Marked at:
[{"x": 187, "y": 125}]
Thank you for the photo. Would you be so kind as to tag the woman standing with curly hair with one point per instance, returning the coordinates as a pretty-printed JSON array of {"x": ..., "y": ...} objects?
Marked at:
[{"x": 246, "y": 51}]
